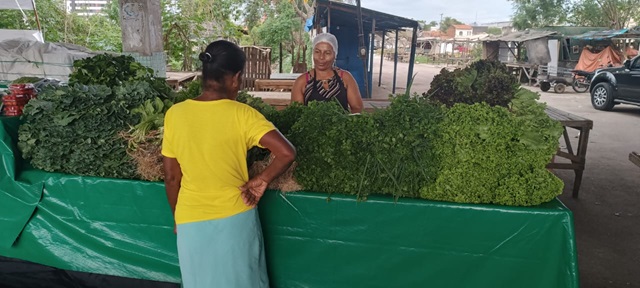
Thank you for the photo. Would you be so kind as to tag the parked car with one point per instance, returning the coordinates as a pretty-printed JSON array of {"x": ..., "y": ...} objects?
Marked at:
[{"x": 617, "y": 85}]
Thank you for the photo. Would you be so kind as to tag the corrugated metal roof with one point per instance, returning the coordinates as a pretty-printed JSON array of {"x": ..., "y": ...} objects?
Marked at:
[
  {"x": 521, "y": 36},
  {"x": 346, "y": 14},
  {"x": 600, "y": 35}
]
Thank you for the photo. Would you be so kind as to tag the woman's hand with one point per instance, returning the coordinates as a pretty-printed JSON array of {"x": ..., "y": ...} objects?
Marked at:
[{"x": 253, "y": 190}]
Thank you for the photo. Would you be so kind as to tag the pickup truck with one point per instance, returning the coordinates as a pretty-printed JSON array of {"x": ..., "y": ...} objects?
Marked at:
[{"x": 616, "y": 85}]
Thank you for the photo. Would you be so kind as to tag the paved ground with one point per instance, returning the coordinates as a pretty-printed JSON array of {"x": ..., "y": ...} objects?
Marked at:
[{"x": 607, "y": 214}]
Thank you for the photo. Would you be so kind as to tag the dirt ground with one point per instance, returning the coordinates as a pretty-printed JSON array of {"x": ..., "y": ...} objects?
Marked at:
[{"x": 606, "y": 215}]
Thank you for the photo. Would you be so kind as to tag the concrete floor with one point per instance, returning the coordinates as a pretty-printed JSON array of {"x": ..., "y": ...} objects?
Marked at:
[{"x": 607, "y": 214}]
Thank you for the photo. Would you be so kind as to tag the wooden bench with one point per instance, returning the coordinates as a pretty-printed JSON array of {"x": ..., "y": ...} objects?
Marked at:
[
  {"x": 274, "y": 85},
  {"x": 634, "y": 157},
  {"x": 577, "y": 158}
]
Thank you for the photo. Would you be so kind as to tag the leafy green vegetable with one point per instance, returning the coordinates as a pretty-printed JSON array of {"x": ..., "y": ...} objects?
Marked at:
[
  {"x": 25, "y": 80},
  {"x": 483, "y": 81},
  {"x": 467, "y": 153},
  {"x": 115, "y": 70},
  {"x": 74, "y": 129},
  {"x": 491, "y": 155}
]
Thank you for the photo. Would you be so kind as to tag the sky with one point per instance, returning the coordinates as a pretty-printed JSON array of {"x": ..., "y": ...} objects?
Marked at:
[{"x": 430, "y": 10}]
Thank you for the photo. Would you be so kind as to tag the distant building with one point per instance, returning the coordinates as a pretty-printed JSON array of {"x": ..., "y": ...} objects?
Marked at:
[
  {"x": 505, "y": 26},
  {"x": 87, "y": 7},
  {"x": 459, "y": 31},
  {"x": 477, "y": 30}
]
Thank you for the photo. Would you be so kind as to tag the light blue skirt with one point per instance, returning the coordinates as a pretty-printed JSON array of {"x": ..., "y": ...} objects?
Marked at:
[{"x": 225, "y": 253}]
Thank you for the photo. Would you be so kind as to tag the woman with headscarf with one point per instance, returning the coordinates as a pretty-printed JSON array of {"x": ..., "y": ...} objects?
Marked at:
[
  {"x": 327, "y": 82},
  {"x": 209, "y": 191}
]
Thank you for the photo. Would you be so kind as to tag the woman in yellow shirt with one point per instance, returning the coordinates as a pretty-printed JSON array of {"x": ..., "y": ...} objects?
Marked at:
[{"x": 205, "y": 148}]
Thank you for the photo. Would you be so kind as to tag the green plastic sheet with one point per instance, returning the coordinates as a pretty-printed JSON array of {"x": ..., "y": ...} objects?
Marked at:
[{"x": 124, "y": 228}]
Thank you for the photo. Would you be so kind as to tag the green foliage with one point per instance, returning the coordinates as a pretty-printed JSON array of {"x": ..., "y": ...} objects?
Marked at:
[
  {"x": 448, "y": 22},
  {"x": 110, "y": 70},
  {"x": 490, "y": 155},
  {"x": 483, "y": 81},
  {"x": 494, "y": 31},
  {"x": 113, "y": 70},
  {"x": 96, "y": 32},
  {"x": 188, "y": 26},
  {"x": 73, "y": 129},
  {"x": 388, "y": 152},
  {"x": 26, "y": 79},
  {"x": 539, "y": 13},
  {"x": 193, "y": 90},
  {"x": 285, "y": 119},
  {"x": 615, "y": 14},
  {"x": 77, "y": 129},
  {"x": 467, "y": 153}
]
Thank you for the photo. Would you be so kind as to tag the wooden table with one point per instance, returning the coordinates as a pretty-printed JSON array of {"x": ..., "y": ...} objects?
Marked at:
[
  {"x": 528, "y": 70},
  {"x": 577, "y": 158},
  {"x": 175, "y": 79},
  {"x": 273, "y": 85},
  {"x": 284, "y": 76}
]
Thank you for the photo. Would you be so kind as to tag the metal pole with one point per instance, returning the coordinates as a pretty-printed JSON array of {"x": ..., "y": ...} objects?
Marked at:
[
  {"x": 280, "y": 69},
  {"x": 372, "y": 45},
  {"x": 363, "y": 50},
  {"x": 395, "y": 65},
  {"x": 412, "y": 57},
  {"x": 384, "y": 34}
]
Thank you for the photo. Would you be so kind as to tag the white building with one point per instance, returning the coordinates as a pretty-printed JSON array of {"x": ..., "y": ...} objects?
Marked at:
[{"x": 87, "y": 7}]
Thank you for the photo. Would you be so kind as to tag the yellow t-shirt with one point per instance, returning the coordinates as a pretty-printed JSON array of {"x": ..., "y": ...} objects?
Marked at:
[{"x": 210, "y": 140}]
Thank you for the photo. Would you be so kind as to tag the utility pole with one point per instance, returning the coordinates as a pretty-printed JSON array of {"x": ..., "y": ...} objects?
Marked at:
[{"x": 141, "y": 25}]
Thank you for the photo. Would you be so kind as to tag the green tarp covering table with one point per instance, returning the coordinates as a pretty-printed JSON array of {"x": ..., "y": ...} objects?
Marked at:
[{"x": 124, "y": 228}]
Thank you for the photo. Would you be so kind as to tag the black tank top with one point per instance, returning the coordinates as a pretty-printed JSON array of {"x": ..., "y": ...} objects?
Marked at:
[{"x": 315, "y": 91}]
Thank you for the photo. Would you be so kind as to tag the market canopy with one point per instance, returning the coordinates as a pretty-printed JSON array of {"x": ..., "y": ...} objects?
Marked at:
[
  {"x": 521, "y": 36},
  {"x": 600, "y": 35},
  {"x": 343, "y": 14},
  {"x": 16, "y": 5}
]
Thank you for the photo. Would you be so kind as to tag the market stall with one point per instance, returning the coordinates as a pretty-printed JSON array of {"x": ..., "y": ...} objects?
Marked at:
[
  {"x": 454, "y": 193},
  {"x": 68, "y": 222}
]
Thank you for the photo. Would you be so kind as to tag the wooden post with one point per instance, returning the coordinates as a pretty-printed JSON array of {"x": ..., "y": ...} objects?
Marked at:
[
  {"x": 384, "y": 36},
  {"x": 280, "y": 69},
  {"x": 395, "y": 64}
]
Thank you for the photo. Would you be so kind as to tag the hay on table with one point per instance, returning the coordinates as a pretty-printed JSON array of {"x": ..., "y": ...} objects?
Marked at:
[{"x": 285, "y": 183}]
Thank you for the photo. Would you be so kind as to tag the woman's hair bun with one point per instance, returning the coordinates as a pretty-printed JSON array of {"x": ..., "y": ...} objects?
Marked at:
[{"x": 205, "y": 57}]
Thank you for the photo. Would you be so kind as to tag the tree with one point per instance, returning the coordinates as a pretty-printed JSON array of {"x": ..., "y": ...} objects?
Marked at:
[
  {"x": 448, "y": 22},
  {"x": 494, "y": 31},
  {"x": 618, "y": 12},
  {"x": 539, "y": 13},
  {"x": 96, "y": 32},
  {"x": 614, "y": 14},
  {"x": 427, "y": 26},
  {"x": 189, "y": 25}
]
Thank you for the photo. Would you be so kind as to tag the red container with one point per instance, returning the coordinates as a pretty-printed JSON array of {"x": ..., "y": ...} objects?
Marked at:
[
  {"x": 12, "y": 110},
  {"x": 25, "y": 90},
  {"x": 15, "y": 100}
]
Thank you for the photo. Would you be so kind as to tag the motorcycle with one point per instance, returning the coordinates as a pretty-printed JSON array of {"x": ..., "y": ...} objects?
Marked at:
[{"x": 581, "y": 80}]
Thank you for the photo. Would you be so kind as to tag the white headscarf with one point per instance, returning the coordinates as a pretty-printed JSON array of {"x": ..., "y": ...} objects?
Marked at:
[{"x": 326, "y": 38}]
